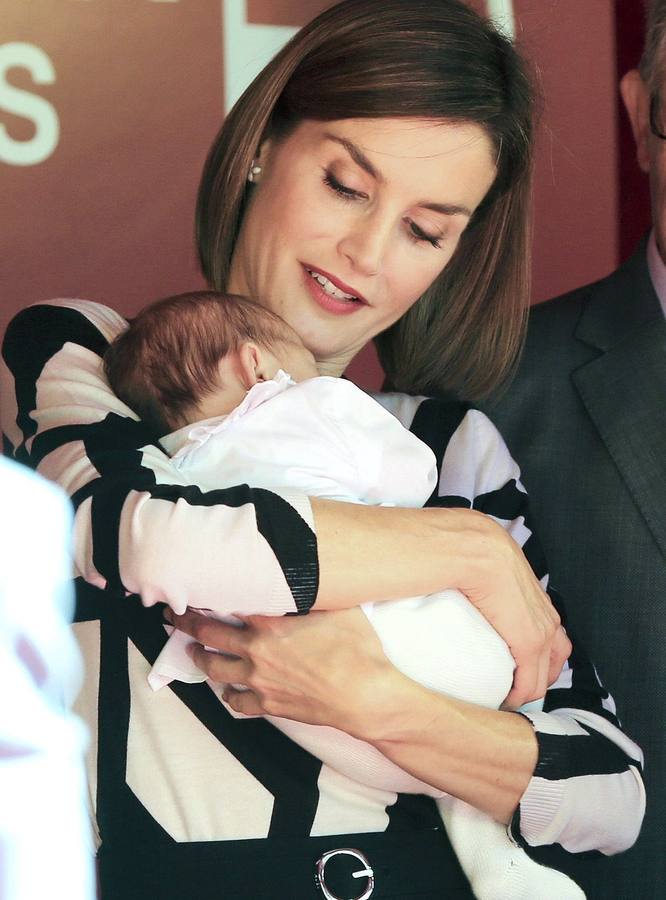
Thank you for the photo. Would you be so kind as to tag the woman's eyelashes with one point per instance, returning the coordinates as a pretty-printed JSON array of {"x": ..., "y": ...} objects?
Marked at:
[
  {"x": 415, "y": 232},
  {"x": 342, "y": 190},
  {"x": 418, "y": 234}
]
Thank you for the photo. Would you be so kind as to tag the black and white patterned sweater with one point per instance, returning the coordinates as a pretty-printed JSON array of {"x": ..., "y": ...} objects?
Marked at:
[{"x": 140, "y": 530}]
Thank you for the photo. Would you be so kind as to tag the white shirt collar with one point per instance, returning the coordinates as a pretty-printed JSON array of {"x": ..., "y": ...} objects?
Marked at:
[{"x": 195, "y": 435}]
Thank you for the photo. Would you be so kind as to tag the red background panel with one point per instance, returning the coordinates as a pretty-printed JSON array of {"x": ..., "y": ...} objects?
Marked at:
[
  {"x": 139, "y": 95},
  {"x": 576, "y": 197},
  {"x": 634, "y": 217},
  {"x": 285, "y": 12}
]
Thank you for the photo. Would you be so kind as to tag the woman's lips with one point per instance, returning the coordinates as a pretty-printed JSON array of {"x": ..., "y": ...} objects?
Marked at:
[{"x": 335, "y": 305}]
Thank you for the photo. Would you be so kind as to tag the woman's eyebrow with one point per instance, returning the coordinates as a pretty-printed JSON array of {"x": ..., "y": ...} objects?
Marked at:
[
  {"x": 359, "y": 157},
  {"x": 448, "y": 209}
]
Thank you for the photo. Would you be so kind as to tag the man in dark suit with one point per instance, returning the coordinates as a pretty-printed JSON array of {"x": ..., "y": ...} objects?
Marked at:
[{"x": 586, "y": 419}]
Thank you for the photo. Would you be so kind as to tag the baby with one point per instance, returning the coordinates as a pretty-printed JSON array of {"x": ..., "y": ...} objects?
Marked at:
[{"x": 209, "y": 371}]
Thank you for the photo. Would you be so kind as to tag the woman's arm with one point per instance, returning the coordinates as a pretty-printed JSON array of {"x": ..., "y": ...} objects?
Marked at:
[
  {"x": 330, "y": 669},
  {"x": 140, "y": 529},
  {"x": 561, "y": 774}
]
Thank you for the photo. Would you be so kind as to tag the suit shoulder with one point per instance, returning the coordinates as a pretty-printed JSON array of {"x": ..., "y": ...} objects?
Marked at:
[
  {"x": 550, "y": 352},
  {"x": 563, "y": 311},
  {"x": 552, "y": 324},
  {"x": 566, "y": 308}
]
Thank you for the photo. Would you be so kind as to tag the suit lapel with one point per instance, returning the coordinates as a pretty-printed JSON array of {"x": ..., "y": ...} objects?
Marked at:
[{"x": 624, "y": 386}]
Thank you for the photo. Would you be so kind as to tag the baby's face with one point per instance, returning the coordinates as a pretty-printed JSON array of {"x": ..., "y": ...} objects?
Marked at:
[{"x": 295, "y": 359}]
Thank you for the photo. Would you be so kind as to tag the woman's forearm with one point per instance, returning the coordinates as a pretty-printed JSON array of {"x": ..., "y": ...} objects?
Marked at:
[
  {"x": 385, "y": 553},
  {"x": 485, "y": 757},
  {"x": 140, "y": 528}
]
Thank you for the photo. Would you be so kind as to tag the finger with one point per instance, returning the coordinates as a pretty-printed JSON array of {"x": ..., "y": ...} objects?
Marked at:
[
  {"x": 554, "y": 611},
  {"x": 186, "y": 622},
  {"x": 524, "y": 681},
  {"x": 245, "y": 702},
  {"x": 211, "y": 632},
  {"x": 560, "y": 652},
  {"x": 542, "y": 676},
  {"x": 220, "y": 668}
]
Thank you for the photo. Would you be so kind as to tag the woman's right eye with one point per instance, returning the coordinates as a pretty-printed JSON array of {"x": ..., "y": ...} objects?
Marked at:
[{"x": 346, "y": 193}]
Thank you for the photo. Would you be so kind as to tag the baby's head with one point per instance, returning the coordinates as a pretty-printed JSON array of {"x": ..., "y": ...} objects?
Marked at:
[{"x": 196, "y": 355}]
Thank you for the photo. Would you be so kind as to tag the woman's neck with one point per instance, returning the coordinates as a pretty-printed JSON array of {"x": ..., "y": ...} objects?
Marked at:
[{"x": 331, "y": 368}]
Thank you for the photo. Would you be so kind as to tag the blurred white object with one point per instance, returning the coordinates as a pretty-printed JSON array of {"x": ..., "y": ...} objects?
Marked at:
[{"x": 45, "y": 843}]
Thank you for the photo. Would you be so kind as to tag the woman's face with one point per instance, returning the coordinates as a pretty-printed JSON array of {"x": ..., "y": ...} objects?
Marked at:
[{"x": 350, "y": 221}]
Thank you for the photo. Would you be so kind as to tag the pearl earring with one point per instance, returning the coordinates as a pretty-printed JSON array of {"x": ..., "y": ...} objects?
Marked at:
[{"x": 255, "y": 170}]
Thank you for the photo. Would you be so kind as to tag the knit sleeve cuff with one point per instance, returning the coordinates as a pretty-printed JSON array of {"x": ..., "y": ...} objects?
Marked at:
[
  {"x": 296, "y": 583},
  {"x": 537, "y": 815}
]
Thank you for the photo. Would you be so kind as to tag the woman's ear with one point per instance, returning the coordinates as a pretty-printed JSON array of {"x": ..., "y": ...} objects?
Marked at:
[
  {"x": 264, "y": 151},
  {"x": 636, "y": 98},
  {"x": 259, "y": 162}
]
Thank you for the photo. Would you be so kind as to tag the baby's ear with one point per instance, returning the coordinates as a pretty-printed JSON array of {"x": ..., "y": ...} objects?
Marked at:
[{"x": 250, "y": 364}]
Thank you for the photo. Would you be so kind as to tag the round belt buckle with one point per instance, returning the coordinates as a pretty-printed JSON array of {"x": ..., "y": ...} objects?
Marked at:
[{"x": 365, "y": 872}]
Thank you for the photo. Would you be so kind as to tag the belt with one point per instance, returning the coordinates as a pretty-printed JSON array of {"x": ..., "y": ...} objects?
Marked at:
[{"x": 398, "y": 865}]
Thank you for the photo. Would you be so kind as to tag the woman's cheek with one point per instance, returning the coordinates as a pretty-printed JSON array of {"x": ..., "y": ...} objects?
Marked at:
[{"x": 411, "y": 289}]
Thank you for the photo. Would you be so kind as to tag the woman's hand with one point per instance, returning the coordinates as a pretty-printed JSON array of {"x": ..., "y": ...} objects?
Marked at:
[
  {"x": 323, "y": 668},
  {"x": 379, "y": 553},
  {"x": 503, "y": 587}
]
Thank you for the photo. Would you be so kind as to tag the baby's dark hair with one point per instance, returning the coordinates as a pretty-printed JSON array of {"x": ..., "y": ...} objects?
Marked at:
[{"x": 167, "y": 360}]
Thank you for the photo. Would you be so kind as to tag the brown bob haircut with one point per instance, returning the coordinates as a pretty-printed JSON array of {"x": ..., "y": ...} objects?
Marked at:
[
  {"x": 431, "y": 59},
  {"x": 167, "y": 360}
]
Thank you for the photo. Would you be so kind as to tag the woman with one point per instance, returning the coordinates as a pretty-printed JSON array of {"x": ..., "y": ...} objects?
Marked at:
[{"x": 372, "y": 182}]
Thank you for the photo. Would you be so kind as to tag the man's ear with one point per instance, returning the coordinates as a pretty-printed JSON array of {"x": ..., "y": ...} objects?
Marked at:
[
  {"x": 636, "y": 98},
  {"x": 250, "y": 364}
]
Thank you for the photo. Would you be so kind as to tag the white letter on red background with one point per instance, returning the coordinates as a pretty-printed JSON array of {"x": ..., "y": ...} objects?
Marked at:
[
  {"x": 247, "y": 48},
  {"x": 28, "y": 106},
  {"x": 502, "y": 14}
]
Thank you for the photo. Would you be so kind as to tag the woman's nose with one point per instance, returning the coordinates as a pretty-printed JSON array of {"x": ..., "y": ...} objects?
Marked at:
[{"x": 365, "y": 245}]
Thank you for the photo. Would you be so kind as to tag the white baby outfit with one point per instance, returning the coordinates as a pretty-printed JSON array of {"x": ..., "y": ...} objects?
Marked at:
[{"x": 327, "y": 438}]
